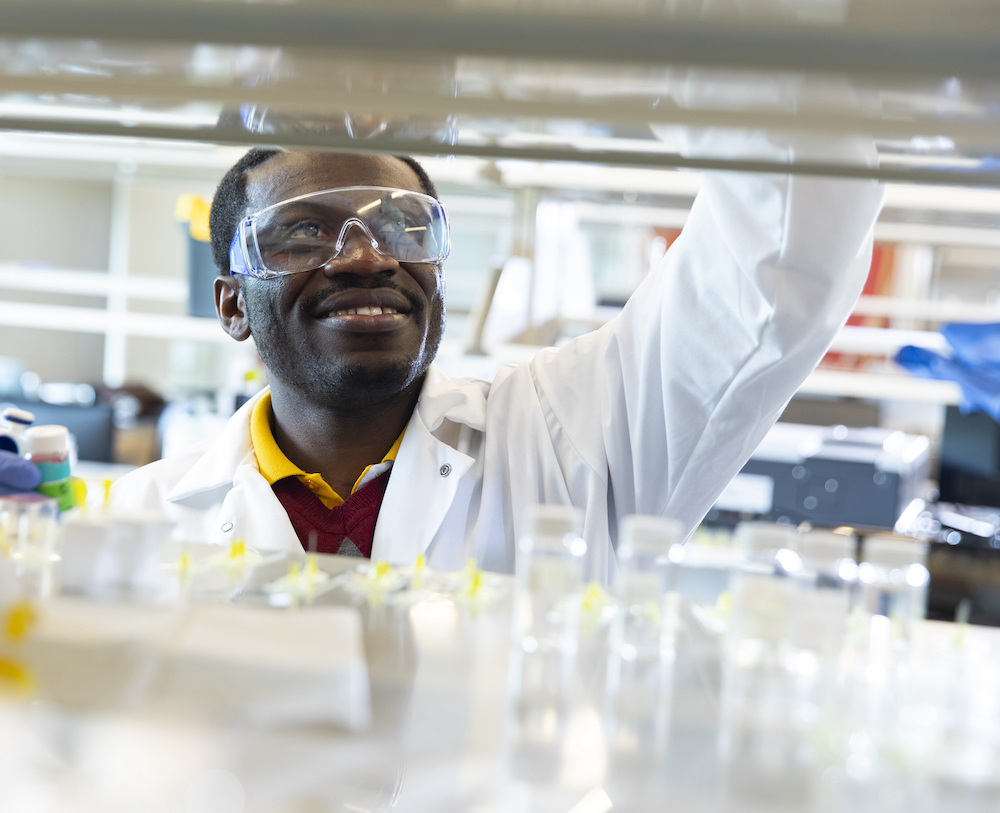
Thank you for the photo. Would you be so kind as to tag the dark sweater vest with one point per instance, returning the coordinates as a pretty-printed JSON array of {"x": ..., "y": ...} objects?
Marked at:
[{"x": 346, "y": 529}]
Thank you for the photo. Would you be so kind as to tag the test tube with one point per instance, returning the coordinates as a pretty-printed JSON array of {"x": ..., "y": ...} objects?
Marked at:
[
  {"x": 545, "y": 641},
  {"x": 641, "y": 647}
]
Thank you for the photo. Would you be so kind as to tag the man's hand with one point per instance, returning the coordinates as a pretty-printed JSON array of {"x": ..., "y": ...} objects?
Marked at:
[{"x": 16, "y": 474}]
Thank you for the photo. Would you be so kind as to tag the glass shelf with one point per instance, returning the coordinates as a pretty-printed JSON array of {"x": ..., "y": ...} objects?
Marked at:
[{"x": 572, "y": 81}]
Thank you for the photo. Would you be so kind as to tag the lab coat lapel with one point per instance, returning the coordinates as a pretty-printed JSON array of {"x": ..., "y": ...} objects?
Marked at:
[
  {"x": 217, "y": 467},
  {"x": 421, "y": 489},
  {"x": 227, "y": 472},
  {"x": 252, "y": 513},
  {"x": 427, "y": 471}
]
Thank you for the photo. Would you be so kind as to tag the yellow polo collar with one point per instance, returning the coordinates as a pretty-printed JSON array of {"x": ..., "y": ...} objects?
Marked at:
[{"x": 275, "y": 466}]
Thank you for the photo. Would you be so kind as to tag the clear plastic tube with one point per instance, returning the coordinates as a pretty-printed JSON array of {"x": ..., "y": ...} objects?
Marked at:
[
  {"x": 641, "y": 647},
  {"x": 545, "y": 641}
]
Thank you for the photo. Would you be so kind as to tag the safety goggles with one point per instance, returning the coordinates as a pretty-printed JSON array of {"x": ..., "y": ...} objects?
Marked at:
[{"x": 306, "y": 232}]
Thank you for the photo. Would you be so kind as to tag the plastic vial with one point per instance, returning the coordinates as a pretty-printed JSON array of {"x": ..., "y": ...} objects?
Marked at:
[
  {"x": 641, "y": 646},
  {"x": 761, "y": 590},
  {"x": 48, "y": 448},
  {"x": 545, "y": 641},
  {"x": 12, "y": 434},
  {"x": 894, "y": 578},
  {"x": 822, "y": 602},
  {"x": 764, "y": 736},
  {"x": 550, "y": 567}
]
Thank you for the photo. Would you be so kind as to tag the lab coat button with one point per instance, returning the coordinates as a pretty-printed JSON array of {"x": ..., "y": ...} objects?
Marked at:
[
  {"x": 445, "y": 470},
  {"x": 227, "y": 527}
]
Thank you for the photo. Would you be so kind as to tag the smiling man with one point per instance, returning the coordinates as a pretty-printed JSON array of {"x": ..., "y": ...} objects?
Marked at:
[{"x": 332, "y": 263}]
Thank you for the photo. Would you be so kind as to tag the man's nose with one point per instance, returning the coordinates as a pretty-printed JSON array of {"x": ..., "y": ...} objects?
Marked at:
[{"x": 359, "y": 253}]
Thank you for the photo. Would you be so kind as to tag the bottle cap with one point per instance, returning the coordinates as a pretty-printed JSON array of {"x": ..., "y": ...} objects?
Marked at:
[
  {"x": 555, "y": 520},
  {"x": 18, "y": 416},
  {"x": 821, "y": 547},
  {"x": 642, "y": 534},
  {"x": 49, "y": 438},
  {"x": 893, "y": 551},
  {"x": 761, "y": 537}
]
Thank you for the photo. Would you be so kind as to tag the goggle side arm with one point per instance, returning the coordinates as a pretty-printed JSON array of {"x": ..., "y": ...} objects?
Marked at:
[{"x": 239, "y": 262}]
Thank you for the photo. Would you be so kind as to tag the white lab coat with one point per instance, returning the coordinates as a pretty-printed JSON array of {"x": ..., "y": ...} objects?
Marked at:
[{"x": 652, "y": 414}]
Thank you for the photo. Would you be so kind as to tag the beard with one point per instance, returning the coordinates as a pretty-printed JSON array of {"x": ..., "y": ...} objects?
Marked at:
[{"x": 328, "y": 380}]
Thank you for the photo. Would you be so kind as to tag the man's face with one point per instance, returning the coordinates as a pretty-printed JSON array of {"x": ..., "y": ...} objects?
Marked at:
[{"x": 304, "y": 334}]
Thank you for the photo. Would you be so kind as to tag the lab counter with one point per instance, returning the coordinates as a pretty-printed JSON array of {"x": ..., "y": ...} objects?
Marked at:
[{"x": 229, "y": 695}]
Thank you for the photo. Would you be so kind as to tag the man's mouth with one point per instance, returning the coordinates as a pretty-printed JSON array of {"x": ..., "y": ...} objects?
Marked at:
[
  {"x": 364, "y": 311},
  {"x": 363, "y": 303}
]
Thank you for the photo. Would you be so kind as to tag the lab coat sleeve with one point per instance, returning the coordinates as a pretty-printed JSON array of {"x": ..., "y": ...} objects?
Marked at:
[{"x": 668, "y": 401}]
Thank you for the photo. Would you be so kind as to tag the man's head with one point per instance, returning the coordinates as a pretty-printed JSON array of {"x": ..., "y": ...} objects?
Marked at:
[{"x": 306, "y": 325}]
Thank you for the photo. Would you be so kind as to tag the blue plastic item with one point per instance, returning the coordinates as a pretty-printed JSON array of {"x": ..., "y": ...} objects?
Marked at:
[
  {"x": 974, "y": 365},
  {"x": 17, "y": 475}
]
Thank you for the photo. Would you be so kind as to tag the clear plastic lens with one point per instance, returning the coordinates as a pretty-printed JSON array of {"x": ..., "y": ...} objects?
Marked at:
[{"x": 305, "y": 233}]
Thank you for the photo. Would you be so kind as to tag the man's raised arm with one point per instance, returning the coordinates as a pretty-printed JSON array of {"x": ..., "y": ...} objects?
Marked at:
[{"x": 719, "y": 337}]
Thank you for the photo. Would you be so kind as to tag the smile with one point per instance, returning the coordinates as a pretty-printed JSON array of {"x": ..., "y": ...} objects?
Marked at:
[{"x": 364, "y": 311}]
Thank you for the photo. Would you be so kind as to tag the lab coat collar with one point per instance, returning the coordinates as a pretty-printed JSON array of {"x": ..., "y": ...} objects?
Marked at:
[
  {"x": 217, "y": 467},
  {"x": 441, "y": 398}
]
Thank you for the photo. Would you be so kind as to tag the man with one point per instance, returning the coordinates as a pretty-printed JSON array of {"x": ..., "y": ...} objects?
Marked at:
[{"x": 652, "y": 414}]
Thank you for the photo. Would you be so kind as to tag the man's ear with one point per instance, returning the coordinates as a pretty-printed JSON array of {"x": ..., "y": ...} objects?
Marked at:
[{"x": 231, "y": 308}]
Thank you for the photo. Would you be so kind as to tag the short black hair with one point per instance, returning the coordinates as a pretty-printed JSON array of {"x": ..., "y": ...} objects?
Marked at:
[{"x": 230, "y": 202}]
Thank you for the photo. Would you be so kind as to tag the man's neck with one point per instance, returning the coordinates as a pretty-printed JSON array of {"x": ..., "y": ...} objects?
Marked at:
[{"x": 336, "y": 443}]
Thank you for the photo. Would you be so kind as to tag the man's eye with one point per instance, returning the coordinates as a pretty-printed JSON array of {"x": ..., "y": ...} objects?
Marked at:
[{"x": 307, "y": 231}]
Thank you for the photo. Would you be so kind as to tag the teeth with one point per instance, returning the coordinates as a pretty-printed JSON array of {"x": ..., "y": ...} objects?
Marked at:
[{"x": 365, "y": 310}]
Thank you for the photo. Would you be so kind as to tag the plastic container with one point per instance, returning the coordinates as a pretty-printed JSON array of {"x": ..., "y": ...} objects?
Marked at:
[
  {"x": 48, "y": 447},
  {"x": 641, "y": 647},
  {"x": 550, "y": 571},
  {"x": 16, "y": 421},
  {"x": 894, "y": 579}
]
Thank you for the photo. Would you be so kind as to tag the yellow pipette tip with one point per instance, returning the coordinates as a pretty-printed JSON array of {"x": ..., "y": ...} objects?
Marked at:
[
  {"x": 237, "y": 549},
  {"x": 184, "y": 562},
  {"x": 79, "y": 488},
  {"x": 19, "y": 620},
  {"x": 594, "y": 597},
  {"x": 106, "y": 497},
  {"x": 15, "y": 677},
  {"x": 724, "y": 604}
]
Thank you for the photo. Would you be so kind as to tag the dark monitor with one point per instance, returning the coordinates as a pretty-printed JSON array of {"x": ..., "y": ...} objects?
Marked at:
[
  {"x": 970, "y": 459},
  {"x": 91, "y": 426}
]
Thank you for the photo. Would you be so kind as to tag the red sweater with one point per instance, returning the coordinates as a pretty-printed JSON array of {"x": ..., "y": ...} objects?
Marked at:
[{"x": 346, "y": 529}]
